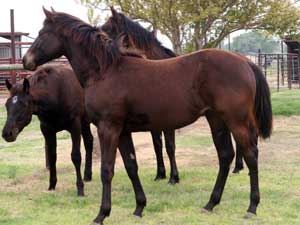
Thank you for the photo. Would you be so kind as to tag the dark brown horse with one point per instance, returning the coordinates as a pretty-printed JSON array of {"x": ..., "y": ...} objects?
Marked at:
[
  {"x": 53, "y": 94},
  {"x": 133, "y": 35},
  {"x": 121, "y": 96},
  {"x": 136, "y": 37}
]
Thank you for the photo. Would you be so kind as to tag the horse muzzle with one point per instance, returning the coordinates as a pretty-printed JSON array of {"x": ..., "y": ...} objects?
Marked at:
[
  {"x": 10, "y": 135},
  {"x": 28, "y": 62}
]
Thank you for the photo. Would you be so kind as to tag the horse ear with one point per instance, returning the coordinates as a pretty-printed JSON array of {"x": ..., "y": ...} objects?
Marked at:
[
  {"x": 8, "y": 84},
  {"x": 114, "y": 13},
  {"x": 52, "y": 9},
  {"x": 26, "y": 85},
  {"x": 47, "y": 13}
]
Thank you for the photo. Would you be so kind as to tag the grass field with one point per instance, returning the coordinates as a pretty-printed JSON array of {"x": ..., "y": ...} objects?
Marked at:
[{"x": 24, "y": 198}]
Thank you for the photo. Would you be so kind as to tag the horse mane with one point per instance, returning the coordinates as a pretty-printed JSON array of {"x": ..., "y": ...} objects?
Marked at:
[
  {"x": 143, "y": 39},
  {"x": 96, "y": 42}
]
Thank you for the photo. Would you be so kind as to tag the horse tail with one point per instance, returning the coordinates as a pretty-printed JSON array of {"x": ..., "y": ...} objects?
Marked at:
[{"x": 263, "y": 108}]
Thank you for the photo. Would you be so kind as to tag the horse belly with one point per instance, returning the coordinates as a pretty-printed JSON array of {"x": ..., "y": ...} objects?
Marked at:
[{"x": 167, "y": 116}]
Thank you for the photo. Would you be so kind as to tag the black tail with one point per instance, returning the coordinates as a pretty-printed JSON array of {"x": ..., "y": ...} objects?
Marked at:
[{"x": 263, "y": 108}]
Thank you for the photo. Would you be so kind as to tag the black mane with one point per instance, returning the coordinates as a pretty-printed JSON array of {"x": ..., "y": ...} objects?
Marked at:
[{"x": 143, "y": 38}]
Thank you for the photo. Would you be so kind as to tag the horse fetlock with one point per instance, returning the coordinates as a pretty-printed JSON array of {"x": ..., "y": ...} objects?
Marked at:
[
  {"x": 52, "y": 184},
  {"x": 80, "y": 188},
  {"x": 87, "y": 176}
]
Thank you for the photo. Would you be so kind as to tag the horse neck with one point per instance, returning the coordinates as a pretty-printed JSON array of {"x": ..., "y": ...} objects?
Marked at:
[
  {"x": 82, "y": 64},
  {"x": 42, "y": 103}
]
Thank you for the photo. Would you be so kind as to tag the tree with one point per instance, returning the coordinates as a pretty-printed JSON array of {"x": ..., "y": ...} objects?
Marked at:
[
  {"x": 252, "y": 41},
  {"x": 197, "y": 24}
]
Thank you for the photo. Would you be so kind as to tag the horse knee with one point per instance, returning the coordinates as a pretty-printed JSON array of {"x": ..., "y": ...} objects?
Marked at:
[
  {"x": 226, "y": 157},
  {"x": 106, "y": 174},
  {"x": 76, "y": 158}
]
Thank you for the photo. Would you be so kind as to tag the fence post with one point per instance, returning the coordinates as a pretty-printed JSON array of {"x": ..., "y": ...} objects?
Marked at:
[
  {"x": 278, "y": 73},
  {"x": 13, "y": 47},
  {"x": 289, "y": 70},
  {"x": 259, "y": 59},
  {"x": 282, "y": 70}
]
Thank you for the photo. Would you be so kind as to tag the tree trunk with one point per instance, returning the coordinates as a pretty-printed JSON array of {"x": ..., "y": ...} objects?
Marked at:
[{"x": 176, "y": 42}]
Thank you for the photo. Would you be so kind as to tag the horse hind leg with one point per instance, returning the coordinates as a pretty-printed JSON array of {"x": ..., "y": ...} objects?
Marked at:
[
  {"x": 245, "y": 135},
  {"x": 157, "y": 143},
  {"x": 238, "y": 160},
  {"x": 170, "y": 147},
  {"x": 223, "y": 144}
]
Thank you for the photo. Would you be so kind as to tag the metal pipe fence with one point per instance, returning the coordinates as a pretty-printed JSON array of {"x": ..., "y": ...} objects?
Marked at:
[{"x": 281, "y": 70}]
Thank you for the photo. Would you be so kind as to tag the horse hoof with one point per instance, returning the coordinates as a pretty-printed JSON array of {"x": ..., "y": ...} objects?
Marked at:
[
  {"x": 249, "y": 215},
  {"x": 138, "y": 212},
  {"x": 205, "y": 211},
  {"x": 236, "y": 170},
  {"x": 80, "y": 194},
  {"x": 159, "y": 177},
  {"x": 94, "y": 223},
  {"x": 173, "y": 181}
]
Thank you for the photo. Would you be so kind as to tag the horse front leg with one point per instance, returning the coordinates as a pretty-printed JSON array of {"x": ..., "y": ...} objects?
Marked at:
[
  {"x": 75, "y": 131},
  {"x": 127, "y": 151},
  {"x": 50, "y": 146},
  {"x": 109, "y": 138}
]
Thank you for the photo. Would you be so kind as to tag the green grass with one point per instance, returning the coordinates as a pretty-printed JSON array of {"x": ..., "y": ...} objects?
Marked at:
[
  {"x": 286, "y": 103},
  {"x": 193, "y": 141},
  {"x": 24, "y": 199}
]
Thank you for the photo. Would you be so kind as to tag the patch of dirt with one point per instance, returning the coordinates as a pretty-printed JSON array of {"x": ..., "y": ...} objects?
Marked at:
[{"x": 280, "y": 151}]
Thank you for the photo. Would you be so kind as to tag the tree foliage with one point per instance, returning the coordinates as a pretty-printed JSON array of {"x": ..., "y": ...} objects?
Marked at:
[
  {"x": 197, "y": 24},
  {"x": 250, "y": 42}
]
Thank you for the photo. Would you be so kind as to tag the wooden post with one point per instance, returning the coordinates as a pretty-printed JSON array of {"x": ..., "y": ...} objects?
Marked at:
[
  {"x": 259, "y": 59},
  {"x": 278, "y": 73},
  {"x": 13, "y": 46}
]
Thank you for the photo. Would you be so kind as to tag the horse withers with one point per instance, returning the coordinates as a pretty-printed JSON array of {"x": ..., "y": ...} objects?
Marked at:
[{"x": 53, "y": 94}]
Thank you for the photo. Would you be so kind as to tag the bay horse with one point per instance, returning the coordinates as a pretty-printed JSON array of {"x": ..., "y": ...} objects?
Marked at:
[
  {"x": 136, "y": 37},
  {"x": 54, "y": 94},
  {"x": 133, "y": 35},
  {"x": 121, "y": 96}
]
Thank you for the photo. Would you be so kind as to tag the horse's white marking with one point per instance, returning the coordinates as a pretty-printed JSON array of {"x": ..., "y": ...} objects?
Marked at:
[
  {"x": 132, "y": 156},
  {"x": 15, "y": 99}
]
